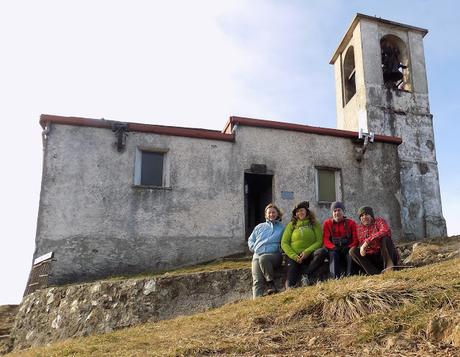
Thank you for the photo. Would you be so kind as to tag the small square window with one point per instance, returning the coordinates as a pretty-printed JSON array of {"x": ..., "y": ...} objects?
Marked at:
[
  {"x": 150, "y": 168},
  {"x": 328, "y": 185}
]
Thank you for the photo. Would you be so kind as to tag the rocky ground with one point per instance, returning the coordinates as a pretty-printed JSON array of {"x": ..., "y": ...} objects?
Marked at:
[
  {"x": 7, "y": 314},
  {"x": 430, "y": 251}
]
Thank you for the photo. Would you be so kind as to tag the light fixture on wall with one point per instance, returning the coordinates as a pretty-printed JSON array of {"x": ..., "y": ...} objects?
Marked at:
[{"x": 121, "y": 132}]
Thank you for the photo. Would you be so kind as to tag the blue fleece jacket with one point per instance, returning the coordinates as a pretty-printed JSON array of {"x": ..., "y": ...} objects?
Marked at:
[{"x": 266, "y": 237}]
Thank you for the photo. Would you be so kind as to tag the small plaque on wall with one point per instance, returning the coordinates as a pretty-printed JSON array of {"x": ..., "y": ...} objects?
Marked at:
[{"x": 287, "y": 195}]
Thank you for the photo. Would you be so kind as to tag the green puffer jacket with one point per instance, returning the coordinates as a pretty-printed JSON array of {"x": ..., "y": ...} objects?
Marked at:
[{"x": 304, "y": 237}]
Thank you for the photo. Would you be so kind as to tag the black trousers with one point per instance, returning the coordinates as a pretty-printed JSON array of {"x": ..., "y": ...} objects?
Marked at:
[
  {"x": 294, "y": 270},
  {"x": 376, "y": 263},
  {"x": 337, "y": 258}
]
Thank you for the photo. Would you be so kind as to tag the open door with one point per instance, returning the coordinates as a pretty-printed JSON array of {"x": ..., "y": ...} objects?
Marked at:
[{"x": 257, "y": 195}]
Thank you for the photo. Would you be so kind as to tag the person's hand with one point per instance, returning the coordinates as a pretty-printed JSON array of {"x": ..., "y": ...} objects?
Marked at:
[
  {"x": 362, "y": 249},
  {"x": 302, "y": 257},
  {"x": 299, "y": 258}
]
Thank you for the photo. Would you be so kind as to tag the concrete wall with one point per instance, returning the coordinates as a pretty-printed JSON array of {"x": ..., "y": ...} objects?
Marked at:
[
  {"x": 402, "y": 114},
  {"x": 357, "y": 104},
  {"x": 294, "y": 158},
  {"x": 406, "y": 114},
  {"x": 98, "y": 224}
]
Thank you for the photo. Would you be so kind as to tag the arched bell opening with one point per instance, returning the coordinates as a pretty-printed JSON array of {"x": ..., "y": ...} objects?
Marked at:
[
  {"x": 395, "y": 63},
  {"x": 349, "y": 80}
]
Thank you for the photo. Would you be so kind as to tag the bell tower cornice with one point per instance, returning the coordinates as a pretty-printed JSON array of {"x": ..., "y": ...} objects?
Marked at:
[{"x": 346, "y": 38}]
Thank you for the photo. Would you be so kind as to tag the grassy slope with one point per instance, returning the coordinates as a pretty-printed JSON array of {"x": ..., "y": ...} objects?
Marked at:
[
  {"x": 382, "y": 315},
  {"x": 242, "y": 263}
]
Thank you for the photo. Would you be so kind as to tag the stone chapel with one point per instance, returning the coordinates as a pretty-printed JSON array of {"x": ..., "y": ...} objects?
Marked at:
[{"x": 120, "y": 198}]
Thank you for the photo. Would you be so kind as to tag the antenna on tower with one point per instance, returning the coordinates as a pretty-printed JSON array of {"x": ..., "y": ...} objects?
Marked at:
[
  {"x": 363, "y": 134},
  {"x": 368, "y": 137}
]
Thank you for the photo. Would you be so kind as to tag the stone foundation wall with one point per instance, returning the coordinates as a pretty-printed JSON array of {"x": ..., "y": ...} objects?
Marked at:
[{"x": 78, "y": 310}]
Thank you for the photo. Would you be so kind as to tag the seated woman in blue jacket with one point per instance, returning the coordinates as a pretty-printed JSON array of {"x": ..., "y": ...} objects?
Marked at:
[{"x": 264, "y": 242}]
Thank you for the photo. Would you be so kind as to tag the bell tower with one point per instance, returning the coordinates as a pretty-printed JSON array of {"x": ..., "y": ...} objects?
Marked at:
[{"x": 381, "y": 88}]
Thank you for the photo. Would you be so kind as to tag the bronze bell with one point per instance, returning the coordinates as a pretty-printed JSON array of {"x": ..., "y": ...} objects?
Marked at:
[
  {"x": 391, "y": 63},
  {"x": 392, "y": 76}
]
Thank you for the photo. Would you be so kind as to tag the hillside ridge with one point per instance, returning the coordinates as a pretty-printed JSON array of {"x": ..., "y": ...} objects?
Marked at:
[{"x": 358, "y": 302}]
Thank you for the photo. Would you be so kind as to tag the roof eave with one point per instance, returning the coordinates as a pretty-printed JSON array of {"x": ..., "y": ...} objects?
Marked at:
[
  {"x": 145, "y": 128},
  {"x": 269, "y": 124}
]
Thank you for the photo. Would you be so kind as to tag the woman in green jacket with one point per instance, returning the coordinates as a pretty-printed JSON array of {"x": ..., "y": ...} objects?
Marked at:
[{"x": 301, "y": 237}]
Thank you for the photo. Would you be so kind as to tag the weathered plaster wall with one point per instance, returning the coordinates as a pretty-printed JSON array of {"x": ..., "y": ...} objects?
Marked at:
[
  {"x": 79, "y": 310},
  {"x": 346, "y": 112},
  {"x": 373, "y": 181},
  {"x": 407, "y": 115},
  {"x": 98, "y": 224}
]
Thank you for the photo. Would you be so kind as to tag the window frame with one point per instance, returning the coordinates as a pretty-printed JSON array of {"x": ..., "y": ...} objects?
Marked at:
[
  {"x": 337, "y": 182},
  {"x": 137, "y": 177}
]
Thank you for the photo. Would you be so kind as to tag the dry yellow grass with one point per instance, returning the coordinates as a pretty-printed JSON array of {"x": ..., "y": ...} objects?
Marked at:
[
  {"x": 243, "y": 263},
  {"x": 384, "y": 315}
]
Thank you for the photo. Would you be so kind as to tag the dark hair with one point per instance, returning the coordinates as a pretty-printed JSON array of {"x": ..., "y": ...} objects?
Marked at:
[
  {"x": 272, "y": 205},
  {"x": 310, "y": 215}
]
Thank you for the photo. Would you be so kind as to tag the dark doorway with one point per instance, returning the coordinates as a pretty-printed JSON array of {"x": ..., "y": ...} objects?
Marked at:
[{"x": 257, "y": 194}]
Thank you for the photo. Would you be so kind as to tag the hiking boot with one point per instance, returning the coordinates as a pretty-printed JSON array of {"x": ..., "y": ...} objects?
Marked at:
[
  {"x": 305, "y": 281},
  {"x": 271, "y": 288},
  {"x": 388, "y": 269}
]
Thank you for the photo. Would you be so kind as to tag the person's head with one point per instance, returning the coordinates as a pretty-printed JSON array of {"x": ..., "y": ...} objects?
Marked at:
[
  {"x": 302, "y": 211},
  {"x": 366, "y": 215},
  {"x": 273, "y": 213},
  {"x": 338, "y": 211}
]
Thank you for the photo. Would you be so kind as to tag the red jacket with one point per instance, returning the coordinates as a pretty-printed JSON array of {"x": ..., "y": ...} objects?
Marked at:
[
  {"x": 373, "y": 234},
  {"x": 332, "y": 229}
]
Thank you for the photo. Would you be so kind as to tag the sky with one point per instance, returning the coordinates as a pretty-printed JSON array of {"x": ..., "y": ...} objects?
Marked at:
[{"x": 194, "y": 64}]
